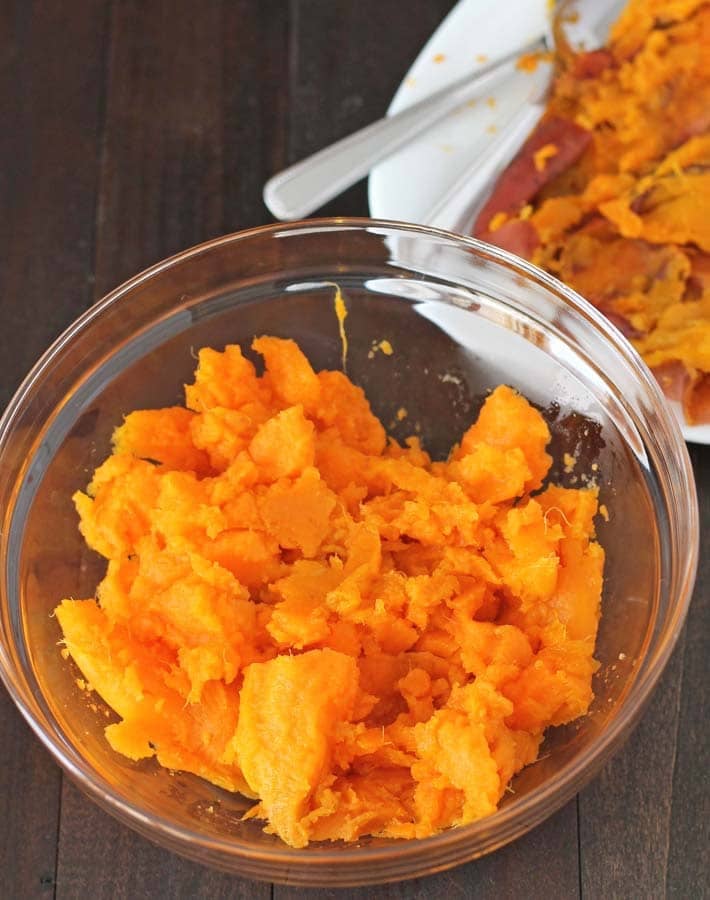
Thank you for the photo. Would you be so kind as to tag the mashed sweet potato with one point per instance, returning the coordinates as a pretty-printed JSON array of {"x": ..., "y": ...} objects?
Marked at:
[
  {"x": 611, "y": 191},
  {"x": 301, "y": 610}
]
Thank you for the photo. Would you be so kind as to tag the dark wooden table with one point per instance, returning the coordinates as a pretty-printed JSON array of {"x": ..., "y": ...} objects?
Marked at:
[{"x": 132, "y": 129}]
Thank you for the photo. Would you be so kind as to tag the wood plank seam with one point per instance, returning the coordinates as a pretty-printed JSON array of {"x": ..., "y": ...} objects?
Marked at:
[{"x": 101, "y": 138}]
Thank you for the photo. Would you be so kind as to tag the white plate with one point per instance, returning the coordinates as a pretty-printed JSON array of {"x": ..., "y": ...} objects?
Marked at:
[{"x": 406, "y": 186}]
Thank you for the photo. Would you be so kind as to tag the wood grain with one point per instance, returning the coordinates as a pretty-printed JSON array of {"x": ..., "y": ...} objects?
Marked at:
[
  {"x": 194, "y": 121},
  {"x": 161, "y": 172},
  {"x": 346, "y": 61},
  {"x": 625, "y": 812},
  {"x": 51, "y": 74},
  {"x": 103, "y": 860},
  {"x": 688, "y": 872},
  {"x": 50, "y": 87},
  {"x": 644, "y": 821},
  {"x": 255, "y": 102},
  {"x": 542, "y": 864},
  {"x": 30, "y": 785}
]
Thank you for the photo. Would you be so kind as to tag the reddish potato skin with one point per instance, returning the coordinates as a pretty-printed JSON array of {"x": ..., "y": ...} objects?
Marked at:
[
  {"x": 673, "y": 379},
  {"x": 592, "y": 63},
  {"x": 696, "y": 401},
  {"x": 516, "y": 237},
  {"x": 522, "y": 180}
]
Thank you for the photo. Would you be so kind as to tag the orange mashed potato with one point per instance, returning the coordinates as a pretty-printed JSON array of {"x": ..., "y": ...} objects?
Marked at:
[
  {"x": 611, "y": 192},
  {"x": 299, "y": 609}
]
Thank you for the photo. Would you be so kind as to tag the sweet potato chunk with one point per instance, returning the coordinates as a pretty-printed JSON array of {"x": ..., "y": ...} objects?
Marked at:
[
  {"x": 507, "y": 421},
  {"x": 162, "y": 435},
  {"x": 362, "y": 640},
  {"x": 284, "y": 444},
  {"x": 289, "y": 711}
]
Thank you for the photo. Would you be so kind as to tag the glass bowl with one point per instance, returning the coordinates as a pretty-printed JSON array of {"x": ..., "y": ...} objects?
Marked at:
[{"x": 462, "y": 317}]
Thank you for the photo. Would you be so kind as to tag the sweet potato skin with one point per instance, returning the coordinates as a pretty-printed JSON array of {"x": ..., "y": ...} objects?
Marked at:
[
  {"x": 521, "y": 181},
  {"x": 610, "y": 192}
]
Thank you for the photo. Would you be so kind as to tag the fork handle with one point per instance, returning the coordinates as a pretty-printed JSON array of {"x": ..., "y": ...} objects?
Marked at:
[{"x": 304, "y": 187}]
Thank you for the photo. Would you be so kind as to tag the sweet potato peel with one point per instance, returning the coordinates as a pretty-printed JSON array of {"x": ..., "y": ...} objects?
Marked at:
[{"x": 620, "y": 211}]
